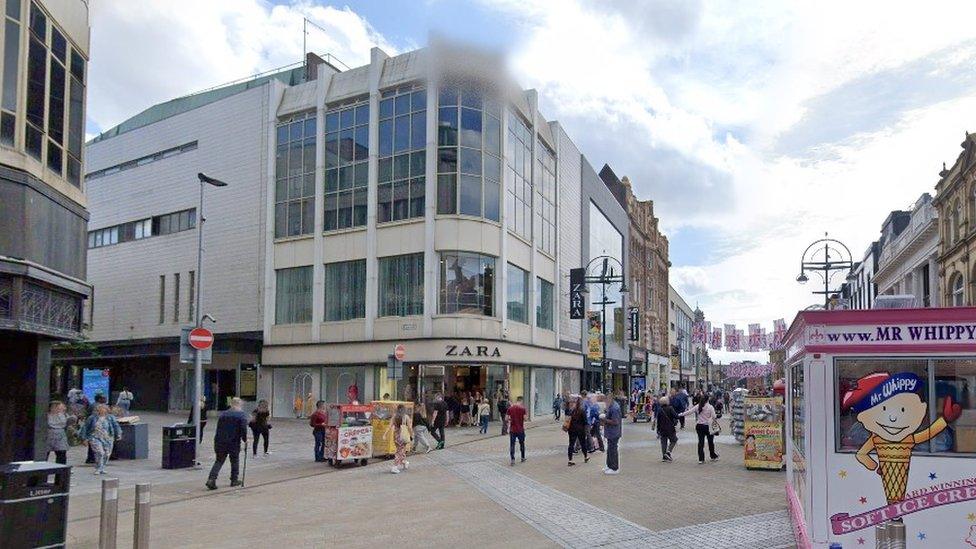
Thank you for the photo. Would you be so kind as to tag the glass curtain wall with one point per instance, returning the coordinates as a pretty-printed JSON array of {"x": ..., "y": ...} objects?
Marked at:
[
  {"x": 346, "y": 166},
  {"x": 402, "y": 160},
  {"x": 606, "y": 240},
  {"x": 546, "y": 211},
  {"x": 517, "y": 294},
  {"x": 293, "y": 295},
  {"x": 345, "y": 290},
  {"x": 401, "y": 285},
  {"x": 295, "y": 176},
  {"x": 543, "y": 304},
  {"x": 469, "y": 153},
  {"x": 518, "y": 176},
  {"x": 467, "y": 282}
]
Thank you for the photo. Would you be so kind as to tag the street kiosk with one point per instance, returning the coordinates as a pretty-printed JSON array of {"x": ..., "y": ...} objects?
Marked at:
[
  {"x": 348, "y": 433},
  {"x": 881, "y": 427}
]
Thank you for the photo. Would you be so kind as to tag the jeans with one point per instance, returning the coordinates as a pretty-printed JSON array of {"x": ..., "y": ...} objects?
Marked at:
[
  {"x": 681, "y": 420},
  {"x": 668, "y": 442},
  {"x": 574, "y": 438},
  {"x": 512, "y": 437},
  {"x": 420, "y": 436},
  {"x": 595, "y": 432},
  {"x": 484, "y": 425},
  {"x": 613, "y": 457},
  {"x": 260, "y": 432},
  {"x": 235, "y": 461},
  {"x": 319, "y": 435},
  {"x": 703, "y": 433},
  {"x": 555, "y": 412}
]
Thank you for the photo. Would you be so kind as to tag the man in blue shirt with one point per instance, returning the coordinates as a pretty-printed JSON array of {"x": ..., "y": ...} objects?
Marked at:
[
  {"x": 593, "y": 418},
  {"x": 613, "y": 419},
  {"x": 680, "y": 404}
]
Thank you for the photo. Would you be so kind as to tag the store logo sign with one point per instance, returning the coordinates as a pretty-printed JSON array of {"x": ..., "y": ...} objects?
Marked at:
[
  {"x": 577, "y": 286},
  {"x": 478, "y": 350}
]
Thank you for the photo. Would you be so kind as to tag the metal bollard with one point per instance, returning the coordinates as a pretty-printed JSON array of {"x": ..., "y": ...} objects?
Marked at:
[
  {"x": 896, "y": 535},
  {"x": 881, "y": 536},
  {"x": 140, "y": 530},
  {"x": 109, "y": 519}
]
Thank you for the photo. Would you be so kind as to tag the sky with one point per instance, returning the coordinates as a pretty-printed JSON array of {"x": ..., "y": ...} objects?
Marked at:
[{"x": 755, "y": 127}]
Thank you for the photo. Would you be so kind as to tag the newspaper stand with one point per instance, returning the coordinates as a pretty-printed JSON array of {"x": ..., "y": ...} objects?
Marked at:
[
  {"x": 881, "y": 427},
  {"x": 348, "y": 434}
]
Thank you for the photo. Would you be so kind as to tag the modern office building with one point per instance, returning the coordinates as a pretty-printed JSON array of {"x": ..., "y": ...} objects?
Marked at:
[
  {"x": 909, "y": 261},
  {"x": 648, "y": 276},
  {"x": 420, "y": 200},
  {"x": 685, "y": 354},
  {"x": 42, "y": 207}
]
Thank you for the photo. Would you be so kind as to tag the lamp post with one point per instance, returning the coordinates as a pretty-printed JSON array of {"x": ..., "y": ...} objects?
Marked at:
[
  {"x": 826, "y": 257},
  {"x": 606, "y": 276},
  {"x": 198, "y": 321},
  {"x": 681, "y": 372}
]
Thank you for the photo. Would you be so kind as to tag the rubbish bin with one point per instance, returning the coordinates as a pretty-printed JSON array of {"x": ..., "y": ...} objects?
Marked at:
[
  {"x": 134, "y": 443},
  {"x": 33, "y": 504},
  {"x": 179, "y": 446}
]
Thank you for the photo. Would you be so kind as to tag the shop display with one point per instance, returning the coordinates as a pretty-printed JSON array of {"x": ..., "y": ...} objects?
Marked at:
[
  {"x": 880, "y": 414},
  {"x": 738, "y": 414}
]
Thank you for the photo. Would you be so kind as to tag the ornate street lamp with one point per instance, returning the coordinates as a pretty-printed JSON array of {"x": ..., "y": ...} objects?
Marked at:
[{"x": 826, "y": 257}]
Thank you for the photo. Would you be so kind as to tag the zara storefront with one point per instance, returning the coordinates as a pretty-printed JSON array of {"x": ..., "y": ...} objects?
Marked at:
[{"x": 416, "y": 201}]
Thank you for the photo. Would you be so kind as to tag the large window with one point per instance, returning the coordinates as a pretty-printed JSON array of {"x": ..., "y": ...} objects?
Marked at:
[
  {"x": 295, "y": 176},
  {"x": 346, "y": 166},
  {"x": 546, "y": 210},
  {"x": 518, "y": 176},
  {"x": 469, "y": 153},
  {"x": 606, "y": 240},
  {"x": 183, "y": 220},
  {"x": 345, "y": 290},
  {"x": 11, "y": 66},
  {"x": 293, "y": 295},
  {"x": 401, "y": 285},
  {"x": 517, "y": 294},
  {"x": 402, "y": 156},
  {"x": 543, "y": 304},
  {"x": 467, "y": 283},
  {"x": 958, "y": 296}
]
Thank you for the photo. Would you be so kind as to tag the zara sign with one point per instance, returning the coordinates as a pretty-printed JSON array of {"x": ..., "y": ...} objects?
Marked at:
[{"x": 472, "y": 350}]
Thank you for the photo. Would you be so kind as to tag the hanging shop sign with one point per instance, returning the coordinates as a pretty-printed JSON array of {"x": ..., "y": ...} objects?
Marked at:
[
  {"x": 633, "y": 316},
  {"x": 594, "y": 331},
  {"x": 577, "y": 287}
]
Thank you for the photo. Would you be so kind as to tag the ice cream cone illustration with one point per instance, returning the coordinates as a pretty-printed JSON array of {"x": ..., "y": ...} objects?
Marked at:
[{"x": 890, "y": 408}]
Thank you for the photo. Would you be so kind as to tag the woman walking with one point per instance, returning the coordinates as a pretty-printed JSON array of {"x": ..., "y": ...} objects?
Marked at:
[
  {"x": 484, "y": 412},
  {"x": 101, "y": 431},
  {"x": 57, "y": 434},
  {"x": 260, "y": 427},
  {"x": 577, "y": 428},
  {"x": 667, "y": 420},
  {"x": 465, "y": 411},
  {"x": 402, "y": 435},
  {"x": 705, "y": 414}
]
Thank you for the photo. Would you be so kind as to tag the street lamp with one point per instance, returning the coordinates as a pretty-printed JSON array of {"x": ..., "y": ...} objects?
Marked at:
[
  {"x": 681, "y": 371},
  {"x": 606, "y": 276},
  {"x": 826, "y": 261},
  {"x": 197, "y": 354}
]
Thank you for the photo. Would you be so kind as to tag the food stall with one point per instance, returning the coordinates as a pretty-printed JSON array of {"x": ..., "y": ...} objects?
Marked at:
[
  {"x": 348, "y": 433},
  {"x": 383, "y": 412},
  {"x": 881, "y": 427}
]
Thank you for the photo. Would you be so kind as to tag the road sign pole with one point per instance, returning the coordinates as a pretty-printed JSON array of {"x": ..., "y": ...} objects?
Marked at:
[{"x": 197, "y": 357}]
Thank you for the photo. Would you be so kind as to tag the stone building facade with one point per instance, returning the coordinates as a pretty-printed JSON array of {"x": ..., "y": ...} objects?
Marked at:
[{"x": 955, "y": 201}]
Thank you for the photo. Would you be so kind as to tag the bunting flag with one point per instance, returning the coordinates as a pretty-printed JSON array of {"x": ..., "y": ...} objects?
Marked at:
[
  {"x": 747, "y": 369},
  {"x": 779, "y": 333},
  {"x": 698, "y": 333},
  {"x": 763, "y": 340},
  {"x": 754, "y": 334},
  {"x": 731, "y": 338},
  {"x": 716, "y": 343}
]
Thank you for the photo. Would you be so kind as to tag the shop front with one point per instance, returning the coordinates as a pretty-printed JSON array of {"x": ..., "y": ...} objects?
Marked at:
[{"x": 458, "y": 368}]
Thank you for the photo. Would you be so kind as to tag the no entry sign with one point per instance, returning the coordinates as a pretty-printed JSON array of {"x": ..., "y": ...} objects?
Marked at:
[
  {"x": 400, "y": 352},
  {"x": 201, "y": 338}
]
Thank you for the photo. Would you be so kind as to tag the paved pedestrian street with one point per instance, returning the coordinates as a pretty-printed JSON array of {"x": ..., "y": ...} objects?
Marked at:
[{"x": 466, "y": 494}]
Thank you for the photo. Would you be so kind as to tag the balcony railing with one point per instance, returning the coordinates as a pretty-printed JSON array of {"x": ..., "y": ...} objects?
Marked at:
[{"x": 923, "y": 217}]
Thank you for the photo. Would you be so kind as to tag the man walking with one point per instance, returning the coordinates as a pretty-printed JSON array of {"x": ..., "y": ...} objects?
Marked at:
[
  {"x": 317, "y": 422},
  {"x": 231, "y": 431},
  {"x": 516, "y": 429},
  {"x": 439, "y": 419},
  {"x": 613, "y": 429},
  {"x": 680, "y": 404}
]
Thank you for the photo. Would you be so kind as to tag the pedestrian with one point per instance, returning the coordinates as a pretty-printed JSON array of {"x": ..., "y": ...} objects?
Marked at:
[
  {"x": 577, "y": 427},
  {"x": 124, "y": 400},
  {"x": 613, "y": 429},
  {"x": 465, "y": 411},
  {"x": 317, "y": 422},
  {"x": 439, "y": 419},
  {"x": 101, "y": 431},
  {"x": 516, "y": 429},
  {"x": 91, "y": 410},
  {"x": 667, "y": 420},
  {"x": 231, "y": 431},
  {"x": 260, "y": 427},
  {"x": 503, "y": 409},
  {"x": 298, "y": 406},
  {"x": 705, "y": 415},
  {"x": 484, "y": 413},
  {"x": 309, "y": 405},
  {"x": 557, "y": 405},
  {"x": 402, "y": 435},
  {"x": 593, "y": 418},
  {"x": 680, "y": 404},
  {"x": 57, "y": 434},
  {"x": 421, "y": 430}
]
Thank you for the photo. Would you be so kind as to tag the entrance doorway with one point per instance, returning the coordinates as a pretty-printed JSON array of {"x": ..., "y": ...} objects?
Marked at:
[
  {"x": 301, "y": 387},
  {"x": 219, "y": 387}
]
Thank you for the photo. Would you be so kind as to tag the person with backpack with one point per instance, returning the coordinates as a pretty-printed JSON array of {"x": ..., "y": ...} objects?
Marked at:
[{"x": 667, "y": 420}]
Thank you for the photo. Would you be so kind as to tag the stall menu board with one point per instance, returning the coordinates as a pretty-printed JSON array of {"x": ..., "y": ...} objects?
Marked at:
[
  {"x": 355, "y": 443},
  {"x": 763, "y": 432}
]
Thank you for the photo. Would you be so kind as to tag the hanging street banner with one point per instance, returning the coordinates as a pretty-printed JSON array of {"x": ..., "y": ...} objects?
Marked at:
[
  {"x": 577, "y": 301},
  {"x": 633, "y": 318},
  {"x": 698, "y": 333},
  {"x": 731, "y": 338},
  {"x": 594, "y": 331},
  {"x": 779, "y": 333},
  {"x": 754, "y": 335},
  {"x": 716, "y": 343},
  {"x": 747, "y": 369}
]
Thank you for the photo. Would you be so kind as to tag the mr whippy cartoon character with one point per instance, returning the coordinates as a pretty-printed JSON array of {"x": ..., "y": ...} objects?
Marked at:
[{"x": 890, "y": 408}]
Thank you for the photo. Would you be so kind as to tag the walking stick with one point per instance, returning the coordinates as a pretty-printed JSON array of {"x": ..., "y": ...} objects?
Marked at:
[{"x": 244, "y": 473}]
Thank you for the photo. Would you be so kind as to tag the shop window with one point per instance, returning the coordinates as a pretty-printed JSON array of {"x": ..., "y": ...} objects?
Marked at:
[
  {"x": 518, "y": 294},
  {"x": 797, "y": 397},
  {"x": 293, "y": 295},
  {"x": 956, "y": 378},
  {"x": 401, "y": 285},
  {"x": 467, "y": 282}
]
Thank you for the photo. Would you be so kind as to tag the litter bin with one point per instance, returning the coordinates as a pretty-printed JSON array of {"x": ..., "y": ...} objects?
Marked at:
[
  {"x": 33, "y": 504},
  {"x": 134, "y": 443},
  {"x": 179, "y": 446}
]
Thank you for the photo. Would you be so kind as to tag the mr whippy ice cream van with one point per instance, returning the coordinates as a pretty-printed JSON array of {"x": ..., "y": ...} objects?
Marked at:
[{"x": 881, "y": 427}]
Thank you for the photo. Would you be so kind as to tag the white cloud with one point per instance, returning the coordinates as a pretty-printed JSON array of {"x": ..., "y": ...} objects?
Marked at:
[{"x": 152, "y": 51}]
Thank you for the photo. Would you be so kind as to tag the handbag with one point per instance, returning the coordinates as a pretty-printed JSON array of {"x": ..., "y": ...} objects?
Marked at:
[
  {"x": 405, "y": 433},
  {"x": 715, "y": 428},
  {"x": 566, "y": 425}
]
